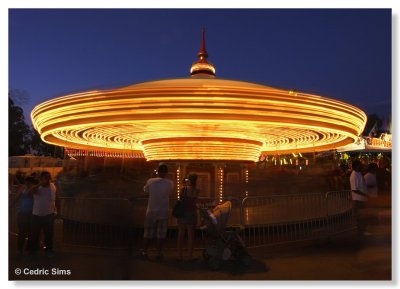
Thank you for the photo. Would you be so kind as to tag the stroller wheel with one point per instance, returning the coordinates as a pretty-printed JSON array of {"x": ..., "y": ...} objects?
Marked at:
[
  {"x": 210, "y": 251},
  {"x": 214, "y": 263}
]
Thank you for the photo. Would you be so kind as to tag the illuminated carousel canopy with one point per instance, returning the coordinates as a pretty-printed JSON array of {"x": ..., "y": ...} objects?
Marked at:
[{"x": 198, "y": 118}]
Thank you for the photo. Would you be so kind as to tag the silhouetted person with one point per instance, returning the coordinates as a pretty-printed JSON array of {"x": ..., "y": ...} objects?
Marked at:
[
  {"x": 358, "y": 193},
  {"x": 156, "y": 220},
  {"x": 24, "y": 218},
  {"x": 189, "y": 219},
  {"x": 43, "y": 213}
]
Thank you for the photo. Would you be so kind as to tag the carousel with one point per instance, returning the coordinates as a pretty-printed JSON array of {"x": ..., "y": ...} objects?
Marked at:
[{"x": 201, "y": 123}]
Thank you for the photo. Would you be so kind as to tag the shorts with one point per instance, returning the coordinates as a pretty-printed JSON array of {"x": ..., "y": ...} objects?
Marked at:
[{"x": 155, "y": 227}]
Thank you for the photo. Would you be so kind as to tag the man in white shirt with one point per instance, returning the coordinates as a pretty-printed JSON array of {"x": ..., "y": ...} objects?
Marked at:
[
  {"x": 358, "y": 193},
  {"x": 43, "y": 213},
  {"x": 156, "y": 222}
]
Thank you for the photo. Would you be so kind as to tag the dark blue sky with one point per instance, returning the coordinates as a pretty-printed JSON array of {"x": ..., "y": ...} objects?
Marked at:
[{"x": 342, "y": 54}]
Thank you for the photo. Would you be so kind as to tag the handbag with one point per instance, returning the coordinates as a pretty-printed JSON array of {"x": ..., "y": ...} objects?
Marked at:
[{"x": 179, "y": 206}]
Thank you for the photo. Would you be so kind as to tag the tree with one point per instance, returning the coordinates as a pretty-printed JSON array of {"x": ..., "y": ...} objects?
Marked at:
[
  {"x": 19, "y": 97},
  {"x": 22, "y": 138},
  {"x": 41, "y": 148},
  {"x": 18, "y": 130},
  {"x": 374, "y": 124}
]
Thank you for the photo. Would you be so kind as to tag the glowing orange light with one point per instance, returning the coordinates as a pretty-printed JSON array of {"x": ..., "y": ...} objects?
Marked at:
[
  {"x": 221, "y": 184},
  {"x": 198, "y": 118},
  {"x": 178, "y": 182}
]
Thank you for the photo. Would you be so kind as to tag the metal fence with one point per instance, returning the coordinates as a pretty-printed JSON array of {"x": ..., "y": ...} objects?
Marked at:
[
  {"x": 290, "y": 218},
  {"x": 263, "y": 220},
  {"x": 105, "y": 222}
]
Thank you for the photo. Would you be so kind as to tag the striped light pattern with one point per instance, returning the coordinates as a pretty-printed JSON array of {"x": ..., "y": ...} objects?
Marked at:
[{"x": 199, "y": 119}]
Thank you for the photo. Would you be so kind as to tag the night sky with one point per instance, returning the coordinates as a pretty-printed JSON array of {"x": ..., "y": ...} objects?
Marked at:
[{"x": 342, "y": 54}]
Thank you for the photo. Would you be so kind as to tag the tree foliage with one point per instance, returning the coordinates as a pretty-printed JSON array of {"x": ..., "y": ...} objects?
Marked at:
[
  {"x": 41, "y": 148},
  {"x": 18, "y": 130},
  {"x": 22, "y": 138},
  {"x": 374, "y": 125}
]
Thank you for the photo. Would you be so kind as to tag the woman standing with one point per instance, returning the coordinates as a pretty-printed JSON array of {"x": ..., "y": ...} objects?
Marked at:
[
  {"x": 189, "y": 219},
  {"x": 25, "y": 215}
]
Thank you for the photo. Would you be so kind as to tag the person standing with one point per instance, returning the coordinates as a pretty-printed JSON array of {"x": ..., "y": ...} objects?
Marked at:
[
  {"x": 189, "y": 219},
  {"x": 25, "y": 214},
  {"x": 156, "y": 221},
  {"x": 43, "y": 213},
  {"x": 358, "y": 194},
  {"x": 370, "y": 180}
]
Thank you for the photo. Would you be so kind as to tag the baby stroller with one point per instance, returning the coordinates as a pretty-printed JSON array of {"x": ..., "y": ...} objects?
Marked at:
[{"x": 222, "y": 244}]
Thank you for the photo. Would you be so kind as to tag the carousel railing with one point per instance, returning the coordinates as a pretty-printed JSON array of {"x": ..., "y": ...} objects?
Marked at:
[{"x": 261, "y": 220}]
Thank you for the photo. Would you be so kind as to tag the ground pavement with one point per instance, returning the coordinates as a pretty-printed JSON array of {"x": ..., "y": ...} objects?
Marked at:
[{"x": 345, "y": 257}]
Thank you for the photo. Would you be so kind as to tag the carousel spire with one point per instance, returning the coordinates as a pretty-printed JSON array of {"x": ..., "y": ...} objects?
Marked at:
[
  {"x": 203, "y": 51},
  {"x": 202, "y": 67}
]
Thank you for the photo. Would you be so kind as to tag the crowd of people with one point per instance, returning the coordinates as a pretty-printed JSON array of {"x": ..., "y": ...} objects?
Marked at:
[
  {"x": 338, "y": 177},
  {"x": 37, "y": 212},
  {"x": 37, "y": 203},
  {"x": 363, "y": 184},
  {"x": 37, "y": 209}
]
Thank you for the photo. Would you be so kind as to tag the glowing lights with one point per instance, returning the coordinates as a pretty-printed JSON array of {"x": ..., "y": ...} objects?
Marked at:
[
  {"x": 246, "y": 176},
  {"x": 246, "y": 180},
  {"x": 198, "y": 118},
  {"x": 178, "y": 182},
  {"x": 285, "y": 160},
  {"x": 221, "y": 183},
  {"x": 198, "y": 148},
  {"x": 383, "y": 143},
  {"x": 90, "y": 153}
]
